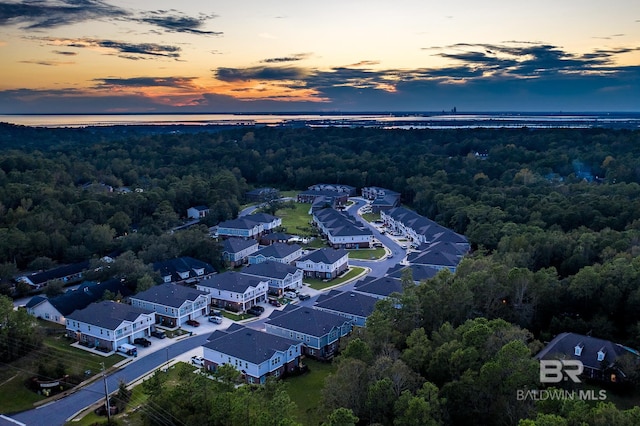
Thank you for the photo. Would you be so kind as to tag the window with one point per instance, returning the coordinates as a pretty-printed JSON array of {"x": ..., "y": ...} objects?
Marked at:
[
  {"x": 578, "y": 349},
  {"x": 601, "y": 354}
]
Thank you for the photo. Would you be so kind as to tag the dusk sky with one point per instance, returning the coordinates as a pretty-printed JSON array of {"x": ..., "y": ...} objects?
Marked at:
[{"x": 92, "y": 56}]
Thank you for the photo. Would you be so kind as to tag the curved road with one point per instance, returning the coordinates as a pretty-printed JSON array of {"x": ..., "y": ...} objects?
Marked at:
[{"x": 58, "y": 412}]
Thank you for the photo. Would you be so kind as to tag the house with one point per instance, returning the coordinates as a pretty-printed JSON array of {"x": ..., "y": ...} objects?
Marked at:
[
  {"x": 197, "y": 212},
  {"x": 326, "y": 263},
  {"x": 382, "y": 199},
  {"x": 277, "y": 252},
  {"x": 185, "y": 270},
  {"x": 380, "y": 288},
  {"x": 173, "y": 304},
  {"x": 235, "y": 291},
  {"x": 323, "y": 197},
  {"x": 600, "y": 358},
  {"x": 348, "y": 304},
  {"x": 280, "y": 276},
  {"x": 250, "y": 226},
  {"x": 419, "y": 228},
  {"x": 236, "y": 251},
  {"x": 106, "y": 325},
  {"x": 256, "y": 354},
  {"x": 435, "y": 259},
  {"x": 67, "y": 274},
  {"x": 346, "y": 189},
  {"x": 58, "y": 308},
  {"x": 341, "y": 230},
  {"x": 260, "y": 195},
  {"x": 319, "y": 331}
]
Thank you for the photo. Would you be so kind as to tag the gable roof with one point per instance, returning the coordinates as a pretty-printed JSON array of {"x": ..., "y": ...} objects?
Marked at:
[
  {"x": 169, "y": 294},
  {"x": 235, "y": 245},
  {"x": 107, "y": 314},
  {"x": 248, "y": 344},
  {"x": 277, "y": 250},
  {"x": 325, "y": 255},
  {"x": 563, "y": 347},
  {"x": 179, "y": 265},
  {"x": 306, "y": 320},
  {"x": 434, "y": 257},
  {"x": 418, "y": 272},
  {"x": 432, "y": 231},
  {"x": 236, "y": 282},
  {"x": 87, "y": 293},
  {"x": 348, "y": 302},
  {"x": 270, "y": 269},
  {"x": 277, "y": 236},
  {"x": 382, "y": 286},
  {"x": 200, "y": 208},
  {"x": 56, "y": 273}
]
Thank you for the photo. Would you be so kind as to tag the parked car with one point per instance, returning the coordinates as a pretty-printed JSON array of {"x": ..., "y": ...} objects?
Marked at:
[
  {"x": 159, "y": 334},
  {"x": 216, "y": 313},
  {"x": 215, "y": 319},
  {"x": 290, "y": 294},
  {"x": 197, "y": 360},
  {"x": 193, "y": 323},
  {"x": 303, "y": 296},
  {"x": 275, "y": 302},
  {"x": 142, "y": 341},
  {"x": 255, "y": 311}
]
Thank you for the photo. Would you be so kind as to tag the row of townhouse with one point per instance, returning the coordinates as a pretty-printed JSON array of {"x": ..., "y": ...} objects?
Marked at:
[
  {"x": 381, "y": 198},
  {"x": 341, "y": 230},
  {"x": 184, "y": 269},
  {"x": 251, "y": 226}
]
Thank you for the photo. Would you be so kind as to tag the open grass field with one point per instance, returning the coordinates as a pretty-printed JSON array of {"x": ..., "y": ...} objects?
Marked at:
[
  {"x": 317, "y": 284},
  {"x": 305, "y": 391},
  {"x": 367, "y": 254},
  {"x": 296, "y": 220}
]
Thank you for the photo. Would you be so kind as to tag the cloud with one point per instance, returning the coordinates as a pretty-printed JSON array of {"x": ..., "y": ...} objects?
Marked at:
[
  {"x": 125, "y": 50},
  {"x": 48, "y": 14},
  {"x": 175, "y": 21},
  {"x": 260, "y": 73},
  {"x": 43, "y": 14},
  {"x": 172, "y": 82},
  {"x": 292, "y": 58},
  {"x": 47, "y": 63},
  {"x": 65, "y": 53}
]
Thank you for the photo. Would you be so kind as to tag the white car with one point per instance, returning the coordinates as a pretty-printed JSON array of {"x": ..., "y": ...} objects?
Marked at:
[
  {"x": 197, "y": 360},
  {"x": 290, "y": 294}
]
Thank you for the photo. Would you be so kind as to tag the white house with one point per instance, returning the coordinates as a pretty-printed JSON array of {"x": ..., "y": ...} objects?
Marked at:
[
  {"x": 197, "y": 212},
  {"x": 326, "y": 263},
  {"x": 173, "y": 304},
  {"x": 280, "y": 276},
  {"x": 236, "y": 251},
  {"x": 234, "y": 290},
  {"x": 107, "y": 325},
  {"x": 277, "y": 252}
]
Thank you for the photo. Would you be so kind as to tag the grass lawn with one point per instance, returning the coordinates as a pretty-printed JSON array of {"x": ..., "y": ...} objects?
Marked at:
[
  {"x": 55, "y": 349},
  {"x": 367, "y": 254},
  {"x": 296, "y": 221},
  {"x": 319, "y": 284},
  {"x": 305, "y": 391},
  {"x": 371, "y": 217}
]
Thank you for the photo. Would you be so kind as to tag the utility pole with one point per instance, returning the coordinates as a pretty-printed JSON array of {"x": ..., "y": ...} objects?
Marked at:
[{"x": 106, "y": 394}]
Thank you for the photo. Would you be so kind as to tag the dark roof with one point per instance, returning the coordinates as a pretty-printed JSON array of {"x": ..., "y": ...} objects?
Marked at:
[
  {"x": 180, "y": 265},
  {"x": 231, "y": 281},
  {"x": 339, "y": 223},
  {"x": 107, "y": 314},
  {"x": 248, "y": 344},
  {"x": 200, "y": 208},
  {"x": 383, "y": 286},
  {"x": 563, "y": 347},
  {"x": 434, "y": 257},
  {"x": 323, "y": 193},
  {"x": 325, "y": 255},
  {"x": 418, "y": 272},
  {"x": 270, "y": 269},
  {"x": 169, "y": 294},
  {"x": 59, "y": 272},
  {"x": 235, "y": 245},
  {"x": 348, "y": 302},
  {"x": 277, "y": 250},
  {"x": 248, "y": 222},
  {"x": 306, "y": 320},
  {"x": 424, "y": 226},
  {"x": 83, "y": 296}
]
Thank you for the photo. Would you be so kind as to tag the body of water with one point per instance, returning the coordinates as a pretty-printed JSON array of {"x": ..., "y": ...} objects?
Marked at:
[{"x": 396, "y": 120}]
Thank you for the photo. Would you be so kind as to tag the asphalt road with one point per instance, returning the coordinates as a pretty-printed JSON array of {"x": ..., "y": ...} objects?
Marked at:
[{"x": 60, "y": 411}]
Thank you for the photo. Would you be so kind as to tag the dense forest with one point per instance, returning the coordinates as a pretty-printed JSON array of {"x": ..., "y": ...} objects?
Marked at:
[{"x": 553, "y": 217}]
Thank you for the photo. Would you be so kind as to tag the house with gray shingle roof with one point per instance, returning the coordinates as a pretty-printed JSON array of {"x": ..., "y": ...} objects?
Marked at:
[
  {"x": 256, "y": 354},
  {"x": 383, "y": 199},
  {"x": 58, "y": 308},
  {"x": 250, "y": 226},
  {"x": 236, "y": 251},
  {"x": 234, "y": 290},
  {"x": 600, "y": 358},
  {"x": 349, "y": 304},
  {"x": 325, "y": 263},
  {"x": 281, "y": 276},
  {"x": 197, "y": 212},
  {"x": 183, "y": 269},
  {"x": 173, "y": 304},
  {"x": 419, "y": 228},
  {"x": 418, "y": 272},
  {"x": 277, "y": 252},
  {"x": 380, "y": 288},
  {"x": 342, "y": 230},
  {"x": 320, "y": 332},
  {"x": 108, "y": 324}
]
